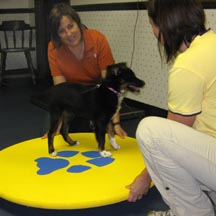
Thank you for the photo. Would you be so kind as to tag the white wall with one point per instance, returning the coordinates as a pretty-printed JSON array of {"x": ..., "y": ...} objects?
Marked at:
[
  {"x": 16, "y": 4},
  {"x": 13, "y": 4}
]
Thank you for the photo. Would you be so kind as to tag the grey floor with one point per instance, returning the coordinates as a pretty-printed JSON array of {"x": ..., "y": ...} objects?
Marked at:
[{"x": 21, "y": 120}]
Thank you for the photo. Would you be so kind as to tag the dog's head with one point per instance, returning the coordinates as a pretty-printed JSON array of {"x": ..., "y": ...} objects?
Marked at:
[{"x": 120, "y": 77}]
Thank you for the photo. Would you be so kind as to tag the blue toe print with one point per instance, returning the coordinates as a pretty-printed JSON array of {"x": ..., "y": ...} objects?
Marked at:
[
  {"x": 101, "y": 161},
  {"x": 91, "y": 154},
  {"x": 78, "y": 169},
  {"x": 49, "y": 165},
  {"x": 67, "y": 153}
]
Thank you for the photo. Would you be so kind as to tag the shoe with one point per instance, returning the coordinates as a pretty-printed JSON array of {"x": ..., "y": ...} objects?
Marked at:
[{"x": 160, "y": 213}]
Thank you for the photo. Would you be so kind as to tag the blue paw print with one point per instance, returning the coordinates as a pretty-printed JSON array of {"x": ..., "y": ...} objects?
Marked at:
[{"x": 48, "y": 165}]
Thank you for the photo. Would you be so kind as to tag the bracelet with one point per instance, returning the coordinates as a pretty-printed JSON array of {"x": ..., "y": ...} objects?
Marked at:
[{"x": 115, "y": 123}]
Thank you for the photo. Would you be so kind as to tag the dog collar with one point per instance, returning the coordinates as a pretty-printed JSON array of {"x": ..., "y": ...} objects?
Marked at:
[{"x": 116, "y": 92}]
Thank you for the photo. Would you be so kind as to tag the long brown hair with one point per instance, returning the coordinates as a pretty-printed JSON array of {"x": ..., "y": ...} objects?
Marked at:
[{"x": 178, "y": 21}]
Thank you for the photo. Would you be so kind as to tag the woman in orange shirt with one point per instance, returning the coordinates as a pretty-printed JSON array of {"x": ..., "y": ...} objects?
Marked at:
[{"x": 77, "y": 54}]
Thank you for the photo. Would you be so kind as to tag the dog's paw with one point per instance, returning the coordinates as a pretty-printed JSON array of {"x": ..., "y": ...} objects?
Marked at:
[
  {"x": 53, "y": 154},
  {"x": 73, "y": 143},
  {"x": 105, "y": 153},
  {"x": 77, "y": 143},
  {"x": 113, "y": 143}
]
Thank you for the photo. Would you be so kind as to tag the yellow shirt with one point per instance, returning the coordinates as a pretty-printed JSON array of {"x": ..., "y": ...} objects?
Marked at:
[{"x": 192, "y": 83}]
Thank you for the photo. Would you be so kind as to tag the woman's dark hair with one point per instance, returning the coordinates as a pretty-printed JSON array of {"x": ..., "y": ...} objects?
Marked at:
[
  {"x": 178, "y": 21},
  {"x": 57, "y": 12}
]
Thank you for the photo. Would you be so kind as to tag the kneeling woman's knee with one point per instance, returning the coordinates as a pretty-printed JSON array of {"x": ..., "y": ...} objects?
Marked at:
[{"x": 149, "y": 128}]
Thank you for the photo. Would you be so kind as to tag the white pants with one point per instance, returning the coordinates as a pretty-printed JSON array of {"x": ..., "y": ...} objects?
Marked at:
[{"x": 182, "y": 164}]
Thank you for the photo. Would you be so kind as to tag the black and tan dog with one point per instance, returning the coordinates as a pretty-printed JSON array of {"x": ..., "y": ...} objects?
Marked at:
[{"x": 97, "y": 103}]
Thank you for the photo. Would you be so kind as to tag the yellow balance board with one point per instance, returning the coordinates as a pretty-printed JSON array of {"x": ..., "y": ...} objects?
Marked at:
[{"x": 78, "y": 177}]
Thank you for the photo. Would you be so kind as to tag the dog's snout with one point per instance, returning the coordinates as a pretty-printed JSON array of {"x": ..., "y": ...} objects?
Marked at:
[{"x": 142, "y": 83}]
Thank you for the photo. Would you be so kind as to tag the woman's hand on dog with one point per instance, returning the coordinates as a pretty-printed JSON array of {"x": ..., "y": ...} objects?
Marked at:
[{"x": 117, "y": 127}]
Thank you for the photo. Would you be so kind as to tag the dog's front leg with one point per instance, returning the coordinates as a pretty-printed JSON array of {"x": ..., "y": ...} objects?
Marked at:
[
  {"x": 111, "y": 135},
  {"x": 100, "y": 137}
]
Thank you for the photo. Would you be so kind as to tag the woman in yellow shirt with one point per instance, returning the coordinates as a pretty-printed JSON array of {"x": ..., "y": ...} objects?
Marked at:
[{"x": 180, "y": 151}]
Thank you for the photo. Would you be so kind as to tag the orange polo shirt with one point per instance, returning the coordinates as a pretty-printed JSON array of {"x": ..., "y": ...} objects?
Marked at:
[{"x": 97, "y": 56}]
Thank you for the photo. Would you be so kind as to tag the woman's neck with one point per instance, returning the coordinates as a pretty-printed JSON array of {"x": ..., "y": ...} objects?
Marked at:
[
  {"x": 183, "y": 47},
  {"x": 78, "y": 50}
]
